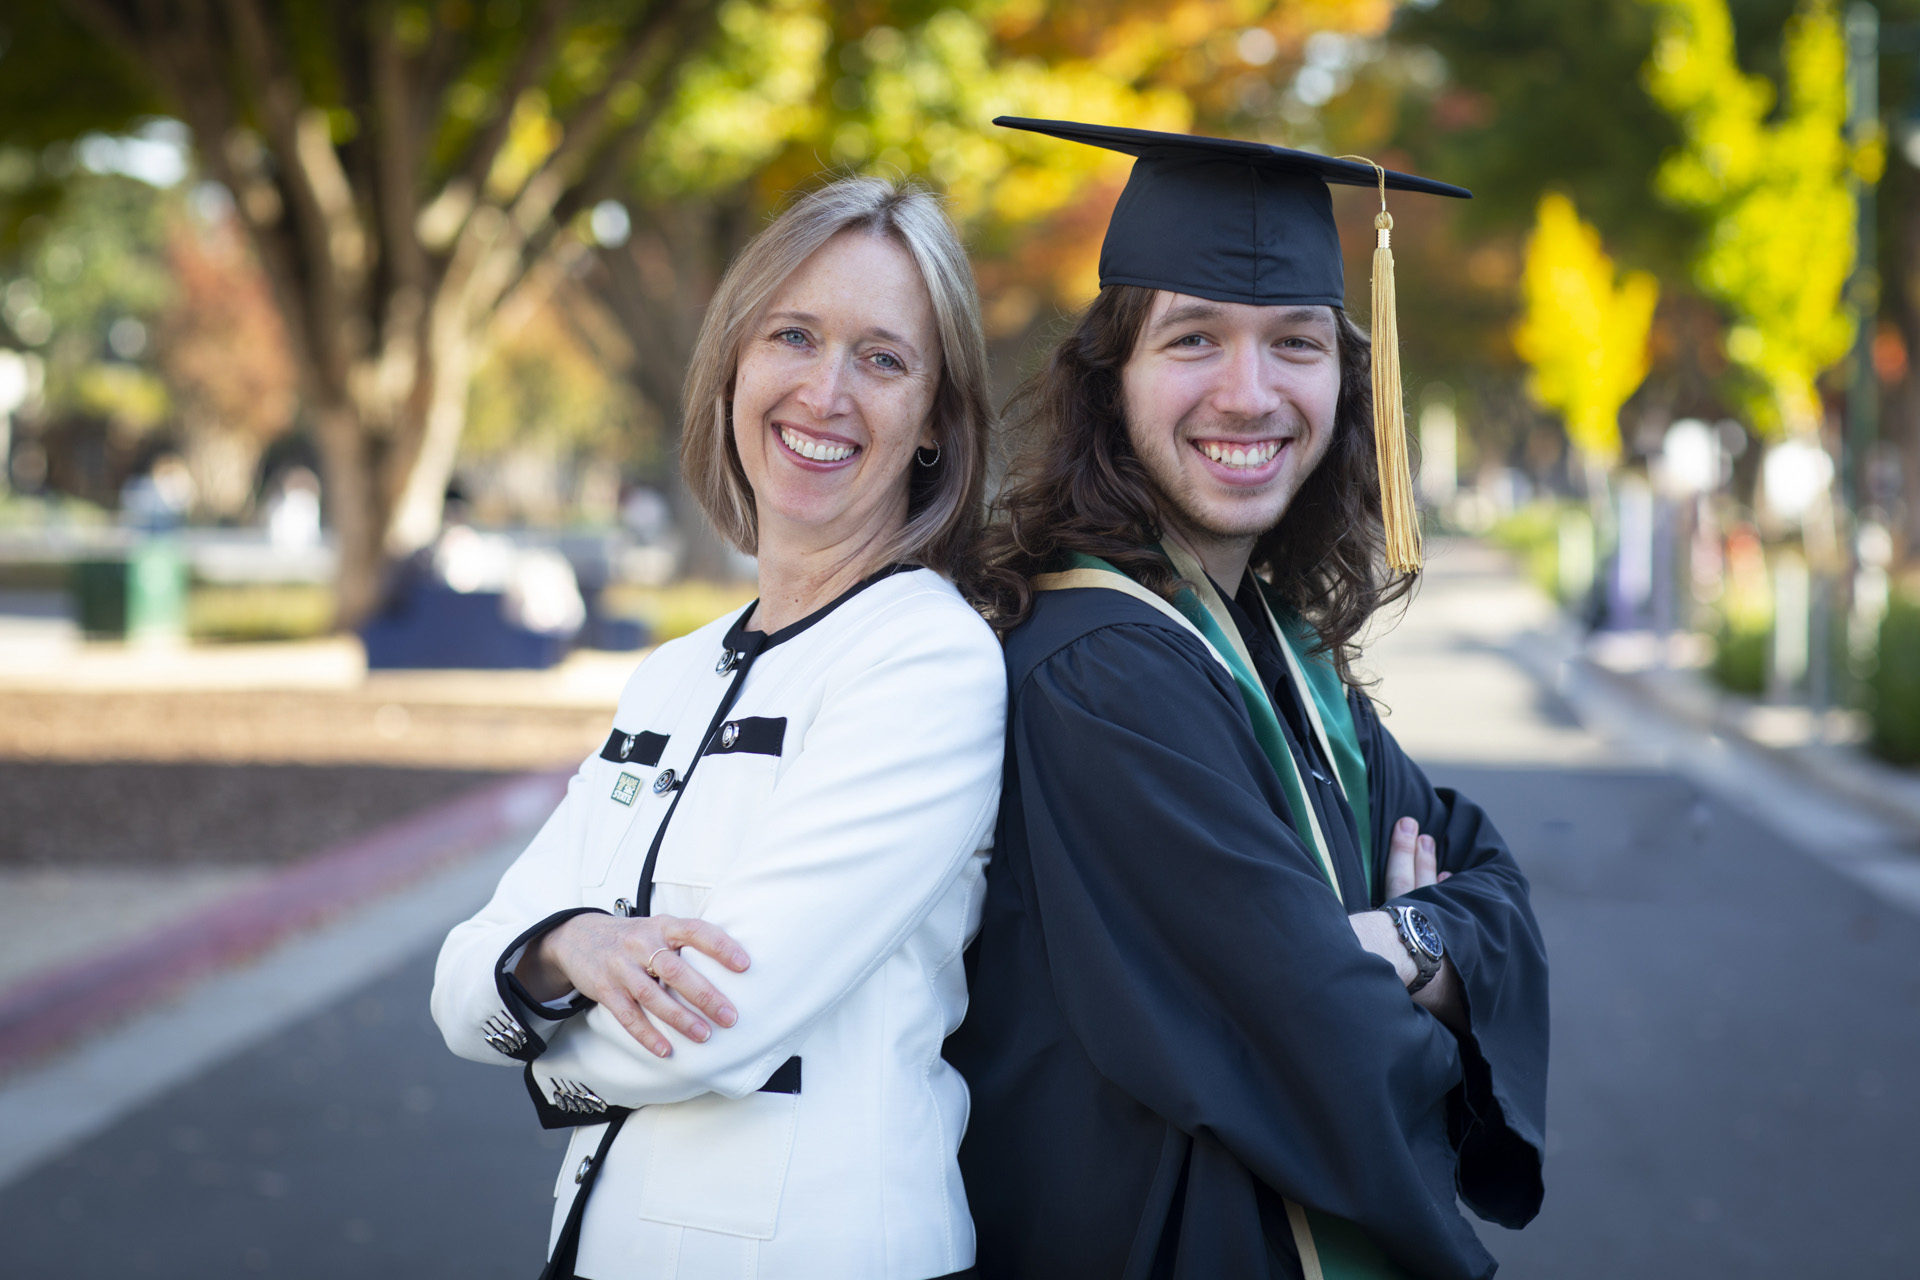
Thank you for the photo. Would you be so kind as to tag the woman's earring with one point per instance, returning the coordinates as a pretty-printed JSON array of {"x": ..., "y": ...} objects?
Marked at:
[{"x": 920, "y": 456}]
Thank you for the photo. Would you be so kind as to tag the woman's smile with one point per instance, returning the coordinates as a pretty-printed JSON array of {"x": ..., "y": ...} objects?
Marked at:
[{"x": 814, "y": 450}]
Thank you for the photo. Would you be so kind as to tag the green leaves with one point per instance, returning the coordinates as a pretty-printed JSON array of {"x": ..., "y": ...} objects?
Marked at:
[
  {"x": 742, "y": 100},
  {"x": 1775, "y": 189}
]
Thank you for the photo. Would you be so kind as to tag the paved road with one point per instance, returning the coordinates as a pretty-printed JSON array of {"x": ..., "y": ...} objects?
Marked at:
[
  {"x": 351, "y": 1144},
  {"x": 1735, "y": 1028}
]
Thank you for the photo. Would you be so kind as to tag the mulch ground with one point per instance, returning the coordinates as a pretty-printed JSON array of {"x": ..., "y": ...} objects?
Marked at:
[
  {"x": 167, "y": 779},
  {"x": 147, "y": 814}
]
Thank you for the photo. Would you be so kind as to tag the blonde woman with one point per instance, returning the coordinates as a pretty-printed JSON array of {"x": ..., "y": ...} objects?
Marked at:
[{"x": 729, "y": 959}]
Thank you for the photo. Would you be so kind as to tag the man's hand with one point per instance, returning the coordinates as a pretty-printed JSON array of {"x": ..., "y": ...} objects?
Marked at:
[
  {"x": 1411, "y": 864},
  {"x": 605, "y": 958},
  {"x": 1378, "y": 934},
  {"x": 1411, "y": 860}
]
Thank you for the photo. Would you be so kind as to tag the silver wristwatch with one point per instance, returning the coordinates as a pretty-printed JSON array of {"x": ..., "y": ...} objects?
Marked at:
[{"x": 1422, "y": 941}]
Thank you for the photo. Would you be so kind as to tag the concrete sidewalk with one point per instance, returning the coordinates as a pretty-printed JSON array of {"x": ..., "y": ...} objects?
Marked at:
[
  {"x": 46, "y": 1007},
  {"x": 1827, "y": 749},
  {"x": 85, "y": 1041},
  {"x": 123, "y": 975},
  {"x": 1484, "y": 669}
]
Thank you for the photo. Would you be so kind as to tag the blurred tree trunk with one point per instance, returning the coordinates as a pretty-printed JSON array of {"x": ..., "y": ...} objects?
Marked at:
[
  {"x": 1900, "y": 420},
  {"x": 391, "y": 232},
  {"x": 656, "y": 286}
]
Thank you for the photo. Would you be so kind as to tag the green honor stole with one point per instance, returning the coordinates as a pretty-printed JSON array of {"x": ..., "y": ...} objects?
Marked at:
[{"x": 1330, "y": 1248}]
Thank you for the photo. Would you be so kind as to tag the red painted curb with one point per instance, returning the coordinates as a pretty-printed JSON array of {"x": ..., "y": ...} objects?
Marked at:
[{"x": 46, "y": 1010}]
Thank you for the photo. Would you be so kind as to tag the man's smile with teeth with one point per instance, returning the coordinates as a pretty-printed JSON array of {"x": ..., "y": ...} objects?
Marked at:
[
  {"x": 1256, "y": 454},
  {"x": 817, "y": 450}
]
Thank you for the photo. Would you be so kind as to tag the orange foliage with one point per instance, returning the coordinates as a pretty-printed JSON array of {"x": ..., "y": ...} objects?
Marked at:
[{"x": 221, "y": 345}]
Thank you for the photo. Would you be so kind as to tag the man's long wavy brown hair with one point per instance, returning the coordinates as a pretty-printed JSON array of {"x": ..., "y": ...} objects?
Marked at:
[{"x": 1076, "y": 485}]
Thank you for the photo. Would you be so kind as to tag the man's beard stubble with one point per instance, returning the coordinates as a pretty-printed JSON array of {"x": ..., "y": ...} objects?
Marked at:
[{"x": 1180, "y": 507}]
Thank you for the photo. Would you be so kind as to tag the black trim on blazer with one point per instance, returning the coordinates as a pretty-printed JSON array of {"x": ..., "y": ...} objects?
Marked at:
[
  {"x": 742, "y": 647},
  {"x": 520, "y": 1002},
  {"x": 737, "y": 635},
  {"x": 639, "y": 748},
  {"x": 754, "y": 735},
  {"x": 566, "y": 1249},
  {"x": 785, "y": 1079}
]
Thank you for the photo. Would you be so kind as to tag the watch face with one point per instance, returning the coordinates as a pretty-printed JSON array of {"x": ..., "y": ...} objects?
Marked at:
[{"x": 1425, "y": 934}]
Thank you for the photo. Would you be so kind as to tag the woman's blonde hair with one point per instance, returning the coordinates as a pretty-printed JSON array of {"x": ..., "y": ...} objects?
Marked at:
[{"x": 944, "y": 500}]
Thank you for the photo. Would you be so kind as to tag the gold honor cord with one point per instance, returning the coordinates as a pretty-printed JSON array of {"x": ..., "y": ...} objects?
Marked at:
[
  {"x": 1193, "y": 571},
  {"x": 1389, "y": 411},
  {"x": 1228, "y": 650}
]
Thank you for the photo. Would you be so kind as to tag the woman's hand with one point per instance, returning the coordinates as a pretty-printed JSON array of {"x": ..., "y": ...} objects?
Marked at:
[{"x": 626, "y": 966}]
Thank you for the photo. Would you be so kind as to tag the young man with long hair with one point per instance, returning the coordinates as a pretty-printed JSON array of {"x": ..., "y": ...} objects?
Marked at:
[{"x": 1251, "y": 997}]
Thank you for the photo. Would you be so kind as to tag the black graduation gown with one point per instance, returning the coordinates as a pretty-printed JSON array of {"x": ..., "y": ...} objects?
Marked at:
[{"x": 1171, "y": 1023}]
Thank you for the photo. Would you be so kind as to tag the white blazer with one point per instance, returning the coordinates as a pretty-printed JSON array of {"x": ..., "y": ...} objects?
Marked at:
[{"x": 838, "y": 827}]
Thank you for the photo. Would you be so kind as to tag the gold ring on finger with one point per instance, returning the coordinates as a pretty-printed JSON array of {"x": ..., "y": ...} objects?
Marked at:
[{"x": 648, "y": 966}]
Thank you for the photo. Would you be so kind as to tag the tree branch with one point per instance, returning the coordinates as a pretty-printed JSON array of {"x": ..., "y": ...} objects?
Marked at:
[
  {"x": 437, "y": 64},
  {"x": 581, "y": 134},
  {"x": 311, "y": 174},
  {"x": 693, "y": 21},
  {"x": 110, "y": 25},
  {"x": 352, "y": 34},
  {"x": 477, "y": 161},
  {"x": 394, "y": 159},
  {"x": 185, "y": 54}
]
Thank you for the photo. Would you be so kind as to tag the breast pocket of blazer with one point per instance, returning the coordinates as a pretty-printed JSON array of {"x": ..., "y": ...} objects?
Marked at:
[
  {"x": 620, "y": 786},
  {"x": 725, "y": 801},
  {"x": 720, "y": 1164}
]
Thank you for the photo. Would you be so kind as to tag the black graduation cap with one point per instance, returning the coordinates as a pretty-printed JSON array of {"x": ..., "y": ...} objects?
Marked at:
[
  {"x": 1224, "y": 219},
  {"x": 1234, "y": 221}
]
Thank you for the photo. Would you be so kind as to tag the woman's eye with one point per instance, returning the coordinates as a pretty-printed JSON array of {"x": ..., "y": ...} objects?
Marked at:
[
  {"x": 1191, "y": 340},
  {"x": 791, "y": 337},
  {"x": 886, "y": 360}
]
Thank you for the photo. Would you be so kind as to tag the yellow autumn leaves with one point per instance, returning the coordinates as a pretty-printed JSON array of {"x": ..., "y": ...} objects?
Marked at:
[
  {"x": 1583, "y": 333},
  {"x": 789, "y": 88}
]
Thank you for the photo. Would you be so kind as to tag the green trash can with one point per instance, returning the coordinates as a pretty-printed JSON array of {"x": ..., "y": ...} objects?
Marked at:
[
  {"x": 100, "y": 597},
  {"x": 157, "y": 592}
]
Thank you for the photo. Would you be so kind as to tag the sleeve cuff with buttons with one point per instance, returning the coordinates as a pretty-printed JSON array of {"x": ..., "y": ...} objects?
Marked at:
[{"x": 519, "y": 1029}]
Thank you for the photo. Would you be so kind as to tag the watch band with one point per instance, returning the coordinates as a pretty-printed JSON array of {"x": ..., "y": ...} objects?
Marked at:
[{"x": 1426, "y": 963}]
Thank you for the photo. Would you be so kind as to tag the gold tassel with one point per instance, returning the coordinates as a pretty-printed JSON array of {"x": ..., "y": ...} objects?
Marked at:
[
  {"x": 1397, "y": 512},
  {"x": 1389, "y": 412}
]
